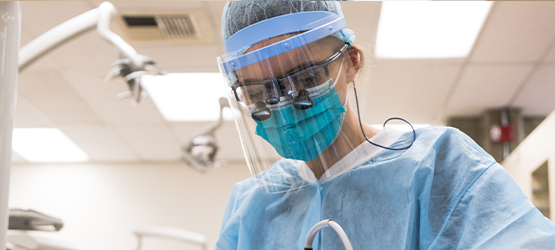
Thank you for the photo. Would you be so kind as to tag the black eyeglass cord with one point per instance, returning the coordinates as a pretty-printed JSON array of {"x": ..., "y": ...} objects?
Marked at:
[{"x": 392, "y": 118}]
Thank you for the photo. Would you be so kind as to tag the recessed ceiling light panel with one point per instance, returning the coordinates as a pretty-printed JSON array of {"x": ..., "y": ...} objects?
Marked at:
[
  {"x": 429, "y": 29},
  {"x": 187, "y": 96},
  {"x": 46, "y": 145}
]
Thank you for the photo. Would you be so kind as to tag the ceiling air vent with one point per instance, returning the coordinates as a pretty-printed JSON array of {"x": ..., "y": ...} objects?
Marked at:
[
  {"x": 176, "y": 26},
  {"x": 140, "y": 21},
  {"x": 169, "y": 26},
  {"x": 170, "y": 29}
]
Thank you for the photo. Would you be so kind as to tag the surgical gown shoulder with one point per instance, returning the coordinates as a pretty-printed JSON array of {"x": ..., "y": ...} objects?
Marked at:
[
  {"x": 444, "y": 155},
  {"x": 444, "y": 192}
]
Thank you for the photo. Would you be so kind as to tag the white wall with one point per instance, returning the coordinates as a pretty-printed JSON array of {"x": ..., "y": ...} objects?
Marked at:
[
  {"x": 530, "y": 154},
  {"x": 101, "y": 204}
]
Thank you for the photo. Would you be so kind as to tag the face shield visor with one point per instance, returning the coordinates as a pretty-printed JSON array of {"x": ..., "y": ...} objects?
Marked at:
[{"x": 282, "y": 92}]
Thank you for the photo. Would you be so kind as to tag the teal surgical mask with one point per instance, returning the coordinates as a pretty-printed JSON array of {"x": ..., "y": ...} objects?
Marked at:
[{"x": 304, "y": 134}]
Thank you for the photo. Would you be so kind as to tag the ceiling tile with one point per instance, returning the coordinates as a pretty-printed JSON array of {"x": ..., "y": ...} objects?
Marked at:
[
  {"x": 52, "y": 95},
  {"x": 102, "y": 97},
  {"x": 28, "y": 116},
  {"x": 87, "y": 50},
  {"x": 550, "y": 57},
  {"x": 17, "y": 159},
  {"x": 186, "y": 59},
  {"x": 363, "y": 19},
  {"x": 516, "y": 32},
  {"x": 101, "y": 143},
  {"x": 415, "y": 90},
  {"x": 536, "y": 98},
  {"x": 152, "y": 143},
  {"x": 215, "y": 8},
  {"x": 41, "y": 16},
  {"x": 486, "y": 86},
  {"x": 129, "y": 6}
]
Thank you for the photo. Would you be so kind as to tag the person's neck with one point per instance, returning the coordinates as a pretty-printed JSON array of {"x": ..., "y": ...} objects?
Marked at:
[{"x": 348, "y": 139}]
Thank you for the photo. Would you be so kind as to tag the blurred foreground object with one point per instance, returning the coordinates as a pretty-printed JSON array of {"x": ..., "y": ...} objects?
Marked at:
[
  {"x": 20, "y": 219},
  {"x": 170, "y": 234},
  {"x": 23, "y": 231}
]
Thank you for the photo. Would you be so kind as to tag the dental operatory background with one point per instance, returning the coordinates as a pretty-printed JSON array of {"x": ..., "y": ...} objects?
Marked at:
[{"x": 113, "y": 150}]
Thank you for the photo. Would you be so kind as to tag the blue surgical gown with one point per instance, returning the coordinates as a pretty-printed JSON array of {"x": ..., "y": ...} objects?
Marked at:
[{"x": 445, "y": 192}]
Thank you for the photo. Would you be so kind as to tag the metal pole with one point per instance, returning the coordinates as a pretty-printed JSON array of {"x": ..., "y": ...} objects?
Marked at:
[
  {"x": 505, "y": 122},
  {"x": 10, "y": 27}
]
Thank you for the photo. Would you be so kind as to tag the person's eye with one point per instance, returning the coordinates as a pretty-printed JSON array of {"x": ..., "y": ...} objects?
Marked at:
[{"x": 309, "y": 80}]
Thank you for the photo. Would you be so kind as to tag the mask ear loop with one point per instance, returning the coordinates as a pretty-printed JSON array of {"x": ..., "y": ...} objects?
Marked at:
[
  {"x": 392, "y": 118},
  {"x": 338, "y": 74}
]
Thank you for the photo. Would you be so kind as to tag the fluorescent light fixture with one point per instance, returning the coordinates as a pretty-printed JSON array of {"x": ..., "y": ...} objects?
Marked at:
[
  {"x": 187, "y": 96},
  {"x": 401, "y": 127},
  {"x": 429, "y": 29},
  {"x": 46, "y": 145}
]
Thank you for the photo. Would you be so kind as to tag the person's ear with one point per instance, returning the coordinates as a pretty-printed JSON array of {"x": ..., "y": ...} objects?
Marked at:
[{"x": 353, "y": 60}]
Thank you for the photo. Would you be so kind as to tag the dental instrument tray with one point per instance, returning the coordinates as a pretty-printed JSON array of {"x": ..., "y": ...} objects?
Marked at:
[{"x": 26, "y": 219}]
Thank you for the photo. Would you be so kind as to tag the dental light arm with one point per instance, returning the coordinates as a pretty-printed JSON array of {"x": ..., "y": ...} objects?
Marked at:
[
  {"x": 131, "y": 66},
  {"x": 201, "y": 150},
  {"x": 171, "y": 234},
  {"x": 323, "y": 224},
  {"x": 106, "y": 12},
  {"x": 99, "y": 17}
]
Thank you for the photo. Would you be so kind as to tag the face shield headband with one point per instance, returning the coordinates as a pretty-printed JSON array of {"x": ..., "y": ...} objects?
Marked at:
[{"x": 315, "y": 25}]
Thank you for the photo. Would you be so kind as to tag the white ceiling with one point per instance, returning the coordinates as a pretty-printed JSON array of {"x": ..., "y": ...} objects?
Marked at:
[{"x": 512, "y": 63}]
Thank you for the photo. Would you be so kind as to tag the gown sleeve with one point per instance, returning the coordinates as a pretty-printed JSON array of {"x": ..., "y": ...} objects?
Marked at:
[
  {"x": 228, "y": 237},
  {"x": 494, "y": 213}
]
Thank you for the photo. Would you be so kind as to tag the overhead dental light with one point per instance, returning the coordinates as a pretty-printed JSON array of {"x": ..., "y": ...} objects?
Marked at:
[
  {"x": 132, "y": 74},
  {"x": 200, "y": 152}
]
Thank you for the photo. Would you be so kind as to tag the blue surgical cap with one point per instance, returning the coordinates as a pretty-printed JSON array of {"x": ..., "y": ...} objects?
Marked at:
[{"x": 240, "y": 14}]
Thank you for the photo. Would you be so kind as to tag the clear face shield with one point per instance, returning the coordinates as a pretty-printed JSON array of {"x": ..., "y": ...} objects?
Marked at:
[{"x": 283, "y": 95}]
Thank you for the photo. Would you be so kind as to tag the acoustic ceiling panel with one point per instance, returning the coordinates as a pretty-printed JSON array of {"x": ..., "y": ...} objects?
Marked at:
[
  {"x": 516, "y": 32},
  {"x": 41, "y": 16},
  {"x": 102, "y": 97},
  {"x": 550, "y": 57},
  {"x": 101, "y": 143},
  {"x": 53, "y": 95},
  {"x": 486, "y": 86},
  {"x": 411, "y": 89},
  {"x": 28, "y": 116},
  {"x": 536, "y": 98},
  {"x": 152, "y": 143}
]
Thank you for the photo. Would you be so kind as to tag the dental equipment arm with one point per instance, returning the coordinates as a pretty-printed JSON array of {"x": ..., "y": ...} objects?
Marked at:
[
  {"x": 106, "y": 12},
  {"x": 323, "y": 224},
  {"x": 99, "y": 17},
  {"x": 171, "y": 234},
  {"x": 202, "y": 148},
  {"x": 131, "y": 66}
]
